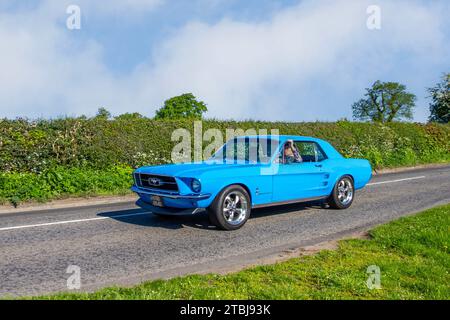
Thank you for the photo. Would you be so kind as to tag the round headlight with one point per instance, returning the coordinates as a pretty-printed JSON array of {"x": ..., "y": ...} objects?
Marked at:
[{"x": 196, "y": 185}]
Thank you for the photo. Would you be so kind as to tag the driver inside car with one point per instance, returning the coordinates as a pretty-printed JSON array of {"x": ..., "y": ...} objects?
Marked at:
[{"x": 291, "y": 153}]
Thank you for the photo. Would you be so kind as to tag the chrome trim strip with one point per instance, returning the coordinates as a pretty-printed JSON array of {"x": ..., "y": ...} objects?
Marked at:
[
  {"x": 279, "y": 203},
  {"x": 157, "y": 174},
  {"x": 201, "y": 196}
]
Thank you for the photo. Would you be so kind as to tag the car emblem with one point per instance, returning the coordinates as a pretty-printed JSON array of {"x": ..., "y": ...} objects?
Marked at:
[{"x": 154, "y": 181}]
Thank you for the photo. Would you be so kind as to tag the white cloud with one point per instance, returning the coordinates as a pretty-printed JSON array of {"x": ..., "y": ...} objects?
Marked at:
[
  {"x": 47, "y": 73},
  {"x": 307, "y": 62},
  {"x": 140, "y": 5},
  {"x": 265, "y": 70},
  {"x": 103, "y": 8}
]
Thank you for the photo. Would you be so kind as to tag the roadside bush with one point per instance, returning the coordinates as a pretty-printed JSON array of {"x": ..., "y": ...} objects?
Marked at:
[
  {"x": 63, "y": 181},
  {"x": 44, "y": 159},
  {"x": 37, "y": 146}
]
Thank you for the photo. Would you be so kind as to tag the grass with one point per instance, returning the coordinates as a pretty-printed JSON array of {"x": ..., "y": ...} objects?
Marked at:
[
  {"x": 412, "y": 254},
  {"x": 62, "y": 182}
]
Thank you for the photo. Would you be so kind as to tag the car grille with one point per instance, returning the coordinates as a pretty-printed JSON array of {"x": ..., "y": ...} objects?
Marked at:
[{"x": 155, "y": 182}]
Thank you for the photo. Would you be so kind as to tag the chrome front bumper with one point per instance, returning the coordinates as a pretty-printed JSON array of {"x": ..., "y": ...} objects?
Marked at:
[
  {"x": 168, "y": 211},
  {"x": 153, "y": 192}
]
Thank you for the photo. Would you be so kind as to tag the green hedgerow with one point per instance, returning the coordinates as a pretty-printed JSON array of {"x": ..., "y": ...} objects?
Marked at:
[
  {"x": 64, "y": 181},
  {"x": 45, "y": 159}
]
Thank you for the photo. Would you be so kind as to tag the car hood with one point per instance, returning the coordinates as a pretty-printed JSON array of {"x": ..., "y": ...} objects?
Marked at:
[{"x": 192, "y": 169}]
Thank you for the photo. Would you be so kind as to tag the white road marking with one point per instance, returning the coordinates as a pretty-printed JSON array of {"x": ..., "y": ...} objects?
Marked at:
[
  {"x": 392, "y": 181},
  {"x": 144, "y": 213},
  {"x": 72, "y": 221}
]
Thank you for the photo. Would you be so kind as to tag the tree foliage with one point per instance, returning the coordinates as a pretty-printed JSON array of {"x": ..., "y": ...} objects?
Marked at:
[
  {"x": 440, "y": 105},
  {"x": 129, "y": 116},
  {"x": 183, "y": 106},
  {"x": 385, "y": 102},
  {"x": 102, "y": 113}
]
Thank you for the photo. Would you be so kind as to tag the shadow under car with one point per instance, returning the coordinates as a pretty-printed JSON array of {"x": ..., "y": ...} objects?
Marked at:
[{"x": 200, "y": 220}]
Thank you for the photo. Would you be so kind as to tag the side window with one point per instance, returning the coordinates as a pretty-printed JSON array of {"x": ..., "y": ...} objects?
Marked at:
[
  {"x": 310, "y": 151},
  {"x": 320, "y": 156}
]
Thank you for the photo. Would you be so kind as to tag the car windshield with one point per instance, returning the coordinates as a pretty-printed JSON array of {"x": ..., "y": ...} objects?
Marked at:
[{"x": 247, "y": 150}]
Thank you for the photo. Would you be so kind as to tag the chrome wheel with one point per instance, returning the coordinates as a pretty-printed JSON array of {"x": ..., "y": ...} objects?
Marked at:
[
  {"x": 345, "y": 191},
  {"x": 235, "y": 208}
]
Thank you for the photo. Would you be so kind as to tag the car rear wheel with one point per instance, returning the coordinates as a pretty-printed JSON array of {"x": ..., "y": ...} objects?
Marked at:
[
  {"x": 343, "y": 193},
  {"x": 231, "y": 208}
]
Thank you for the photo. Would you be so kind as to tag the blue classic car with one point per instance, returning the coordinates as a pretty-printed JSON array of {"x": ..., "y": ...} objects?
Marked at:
[{"x": 250, "y": 172}]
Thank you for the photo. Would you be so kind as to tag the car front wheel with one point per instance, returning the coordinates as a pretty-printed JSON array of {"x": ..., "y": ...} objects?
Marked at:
[
  {"x": 231, "y": 208},
  {"x": 343, "y": 193}
]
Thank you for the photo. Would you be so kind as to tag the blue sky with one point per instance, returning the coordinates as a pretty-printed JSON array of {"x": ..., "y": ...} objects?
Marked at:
[{"x": 260, "y": 59}]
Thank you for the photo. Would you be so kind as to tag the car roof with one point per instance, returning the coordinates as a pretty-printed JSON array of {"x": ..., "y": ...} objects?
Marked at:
[{"x": 280, "y": 137}]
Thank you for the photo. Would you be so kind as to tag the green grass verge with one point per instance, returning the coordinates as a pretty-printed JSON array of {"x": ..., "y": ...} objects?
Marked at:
[
  {"x": 61, "y": 182},
  {"x": 412, "y": 254}
]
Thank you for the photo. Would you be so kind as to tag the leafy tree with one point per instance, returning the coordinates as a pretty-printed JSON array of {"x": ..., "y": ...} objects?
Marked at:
[
  {"x": 129, "y": 116},
  {"x": 385, "y": 102},
  {"x": 183, "y": 106},
  {"x": 103, "y": 113},
  {"x": 440, "y": 105}
]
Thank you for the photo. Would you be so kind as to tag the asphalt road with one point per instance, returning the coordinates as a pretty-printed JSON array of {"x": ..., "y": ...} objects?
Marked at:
[{"x": 120, "y": 244}]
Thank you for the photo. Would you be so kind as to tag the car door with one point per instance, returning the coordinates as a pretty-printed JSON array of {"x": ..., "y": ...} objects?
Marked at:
[{"x": 301, "y": 180}]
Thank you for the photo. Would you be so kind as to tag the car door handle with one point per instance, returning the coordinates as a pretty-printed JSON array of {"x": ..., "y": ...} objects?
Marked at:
[{"x": 318, "y": 165}]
